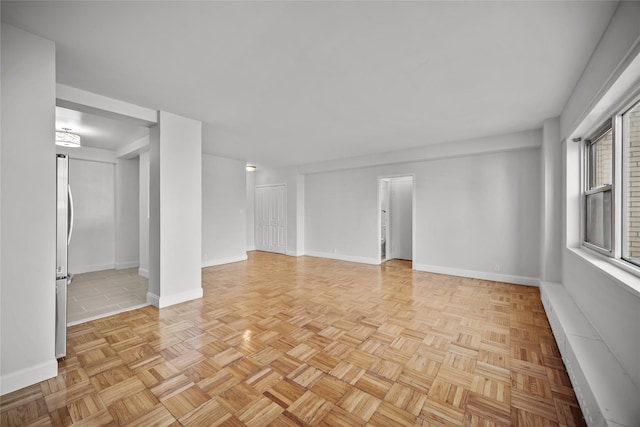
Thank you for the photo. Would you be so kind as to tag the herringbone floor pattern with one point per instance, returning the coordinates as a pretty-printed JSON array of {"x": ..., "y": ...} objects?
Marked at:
[{"x": 289, "y": 341}]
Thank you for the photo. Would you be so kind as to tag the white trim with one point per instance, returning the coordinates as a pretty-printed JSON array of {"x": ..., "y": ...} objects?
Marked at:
[
  {"x": 153, "y": 299},
  {"x": 127, "y": 264},
  {"x": 295, "y": 253},
  {"x": 92, "y": 268},
  {"x": 143, "y": 272},
  {"x": 483, "y": 275},
  {"x": 28, "y": 376},
  {"x": 221, "y": 261},
  {"x": 166, "y": 301},
  {"x": 251, "y": 248},
  {"x": 412, "y": 178},
  {"x": 272, "y": 185},
  {"x": 343, "y": 257},
  {"x": 110, "y": 313}
]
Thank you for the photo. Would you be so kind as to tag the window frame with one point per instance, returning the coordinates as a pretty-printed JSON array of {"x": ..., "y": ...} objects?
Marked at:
[
  {"x": 635, "y": 102},
  {"x": 587, "y": 188},
  {"x": 613, "y": 122}
]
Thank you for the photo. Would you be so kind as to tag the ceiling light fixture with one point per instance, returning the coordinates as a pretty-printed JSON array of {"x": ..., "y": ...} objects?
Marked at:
[
  {"x": 66, "y": 139},
  {"x": 251, "y": 168}
]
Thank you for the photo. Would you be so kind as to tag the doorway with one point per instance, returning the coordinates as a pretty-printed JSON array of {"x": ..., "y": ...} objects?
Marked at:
[
  {"x": 271, "y": 218},
  {"x": 396, "y": 225},
  {"x": 105, "y": 249},
  {"x": 103, "y": 253}
]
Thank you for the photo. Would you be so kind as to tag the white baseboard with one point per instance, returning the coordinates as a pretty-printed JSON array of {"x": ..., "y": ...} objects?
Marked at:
[
  {"x": 483, "y": 275},
  {"x": 251, "y": 248},
  {"x": 111, "y": 313},
  {"x": 605, "y": 392},
  {"x": 295, "y": 253},
  {"x": 91, "y": 268},
  {"x": 143, "y": 272},
  {"x": 127, "y": 264},
  {"x": 153, "y": 299},
  {"x": 342, "y": 257},
  {"x": 169, "y": 300},
  {"x": 226, "y": 260},
  {"x": 26, "y": 377}
]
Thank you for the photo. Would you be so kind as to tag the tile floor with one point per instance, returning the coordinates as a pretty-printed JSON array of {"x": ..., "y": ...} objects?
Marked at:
[{"x": 103, "y": 293}]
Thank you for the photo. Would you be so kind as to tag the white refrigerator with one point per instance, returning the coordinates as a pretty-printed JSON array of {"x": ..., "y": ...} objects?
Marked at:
[{"x": 64, "y": 229}]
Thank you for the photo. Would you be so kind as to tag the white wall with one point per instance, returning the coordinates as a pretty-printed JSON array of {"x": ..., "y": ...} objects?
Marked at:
[
  {"x": 127, "y": 213},
  {"x": 472, "y": 213},
  {"x": 551, "y": 221},
  {"x": 613, "y": 311},
  {"x": 175, "y": 223},
  {"x": 481, "y": 214},
  {"x": 143, "y": 210},
  {"x": 401, "y": 198},
  {"x": 28, "y": 170},
  {"x": 153, "y": 295},
  {"x": 342, "y": 215},
  {"x": 92, "y": 245},
  {"x": 617, "y": 47},
  {"x": 300, "y": 214},
  {"x": 104, "y": 184},
  {"x": 224, "y": 204}
]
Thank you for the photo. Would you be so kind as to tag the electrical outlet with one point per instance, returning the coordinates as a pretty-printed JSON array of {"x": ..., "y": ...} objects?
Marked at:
[
  {"x": 497, "y": 267},
  {"x": 335, "y": 250}
]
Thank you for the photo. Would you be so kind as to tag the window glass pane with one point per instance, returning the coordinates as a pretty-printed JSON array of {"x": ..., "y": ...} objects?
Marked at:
[
  {"x": 601, "y": 153},
  {"x": 598, "y": 227},
  {"x": 631, "y": 190}
]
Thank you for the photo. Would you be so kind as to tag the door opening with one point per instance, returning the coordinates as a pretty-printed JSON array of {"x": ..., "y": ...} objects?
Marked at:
[{"x": 396, "y": 198}]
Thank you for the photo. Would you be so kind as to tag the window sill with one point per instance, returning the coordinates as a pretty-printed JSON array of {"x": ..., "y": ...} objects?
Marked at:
[{"x": 625, "y": 275}]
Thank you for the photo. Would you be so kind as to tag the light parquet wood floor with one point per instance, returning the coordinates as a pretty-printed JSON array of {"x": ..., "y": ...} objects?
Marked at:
[{"x": 289, "y": 341}]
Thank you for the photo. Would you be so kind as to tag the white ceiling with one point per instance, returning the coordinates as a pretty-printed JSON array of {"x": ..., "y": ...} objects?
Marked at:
[{"x": 286, "y": 83}]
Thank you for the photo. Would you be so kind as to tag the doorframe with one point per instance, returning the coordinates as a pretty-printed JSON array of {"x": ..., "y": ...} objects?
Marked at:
[
  {"x": 286, "y": 214},
  {"x": 413, "y": 215}
]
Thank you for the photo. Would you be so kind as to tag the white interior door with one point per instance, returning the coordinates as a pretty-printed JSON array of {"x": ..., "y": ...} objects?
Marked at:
[{"x": 271, "y": 218}]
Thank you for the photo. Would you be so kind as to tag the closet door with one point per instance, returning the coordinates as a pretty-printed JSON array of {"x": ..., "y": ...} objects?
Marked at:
[{"x": 271, "y": 218}]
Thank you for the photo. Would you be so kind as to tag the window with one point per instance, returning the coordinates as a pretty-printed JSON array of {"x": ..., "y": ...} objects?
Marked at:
[
  {"x": 599, "y": 189},
  {"x": 611, "y": 198},
  {"x": 631, "y": 184}
]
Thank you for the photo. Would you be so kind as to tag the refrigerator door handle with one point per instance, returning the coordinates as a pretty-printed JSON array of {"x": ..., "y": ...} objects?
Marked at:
[{"x": 70, "y": 216}]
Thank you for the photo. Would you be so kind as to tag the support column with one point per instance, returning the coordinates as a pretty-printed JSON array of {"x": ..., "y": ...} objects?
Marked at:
[
  {"x": 551, "y": 236},
  {"x": 300, "y": 191},
  {"x": 175, "y": 217}
]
